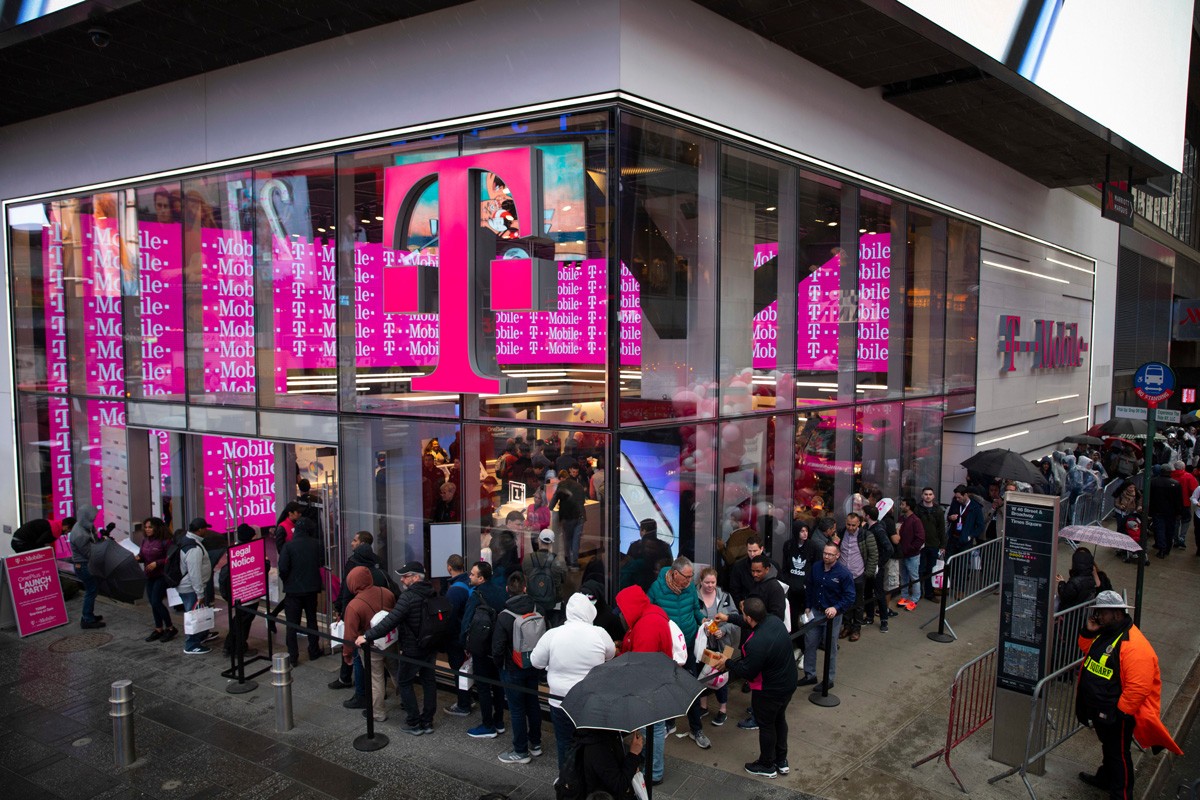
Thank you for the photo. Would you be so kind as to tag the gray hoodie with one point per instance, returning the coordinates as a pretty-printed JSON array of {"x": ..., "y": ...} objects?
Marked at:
[
  {"x": 83, "y": 535},
  {"x": 196, "y": 567}
]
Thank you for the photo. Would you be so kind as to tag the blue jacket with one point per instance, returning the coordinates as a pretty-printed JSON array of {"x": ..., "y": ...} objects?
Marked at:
[
  {"x": 459, "y": 594},
  {"x": 971, "y": 517},
  {"x": 834, "y": 587}
]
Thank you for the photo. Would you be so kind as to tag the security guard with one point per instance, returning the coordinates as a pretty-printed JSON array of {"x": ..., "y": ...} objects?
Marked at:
[{"x": 1120, "y": 689}]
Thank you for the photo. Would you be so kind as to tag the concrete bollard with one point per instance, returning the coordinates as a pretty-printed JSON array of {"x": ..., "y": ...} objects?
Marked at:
[
  {"x": 121, "y": 711},
  {"x": 281, "y": 679}
]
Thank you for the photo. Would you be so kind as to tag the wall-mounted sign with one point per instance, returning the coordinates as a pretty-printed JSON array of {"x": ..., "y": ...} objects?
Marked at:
[
  {"x": 1117, "y": 205},
  {"x": 1185, "y": 323},
  {"x": 1054, "y": 345},
  {"x": 1188, "y": 395}
]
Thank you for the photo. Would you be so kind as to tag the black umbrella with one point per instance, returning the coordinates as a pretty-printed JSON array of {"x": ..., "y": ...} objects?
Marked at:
[
  {"x": 1083, "y": 438},
  {"x": 631, "y": 692},
  {"x": 1001, "y": 463},
  {"x": 117, "y": 573},
  {"x": 1120, "y": 426}
]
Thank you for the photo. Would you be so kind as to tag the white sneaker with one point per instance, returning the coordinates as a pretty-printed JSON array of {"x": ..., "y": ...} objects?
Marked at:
[{"x": 701, "y": 740}]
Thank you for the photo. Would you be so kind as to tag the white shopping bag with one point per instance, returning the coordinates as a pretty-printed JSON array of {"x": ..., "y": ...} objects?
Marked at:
[
  {"x": 465, "y": 682},
  {"x": 338, "y": 631},
  {"x": 199, "y": 620},
  {"x": 274, "y": 588},
  {"x": 940, "y": 579},
  {"x": 392, "y": 636},
  {"x": 891, "y": 581},
  {"x": 173, "y": 598}
]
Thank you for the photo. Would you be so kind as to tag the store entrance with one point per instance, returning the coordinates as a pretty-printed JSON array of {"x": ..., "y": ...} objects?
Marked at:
[{"x": 232, "y": 481}]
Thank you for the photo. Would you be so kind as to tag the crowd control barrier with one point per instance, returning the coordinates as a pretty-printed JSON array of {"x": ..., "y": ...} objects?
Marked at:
[
  {"x": 971, "y": 697},
  {"x": 966, "y": 575}
]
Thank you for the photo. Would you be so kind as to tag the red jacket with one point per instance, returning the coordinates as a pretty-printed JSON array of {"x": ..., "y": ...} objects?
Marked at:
[
  {"x": 1188, "y": 483},
  {"x": 649, "y": 631}
]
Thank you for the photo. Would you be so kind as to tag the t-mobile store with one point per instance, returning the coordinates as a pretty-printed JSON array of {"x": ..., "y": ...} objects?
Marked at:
[{"x": 431, "y": 323}]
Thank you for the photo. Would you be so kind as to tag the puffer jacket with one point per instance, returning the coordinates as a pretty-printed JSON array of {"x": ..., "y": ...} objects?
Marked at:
[
  {"x": 649, "y": 631},
  {"x": 684, "y": 608},
  {"x": 569, "y": 652},
  {"x": 405, "y": 617}
]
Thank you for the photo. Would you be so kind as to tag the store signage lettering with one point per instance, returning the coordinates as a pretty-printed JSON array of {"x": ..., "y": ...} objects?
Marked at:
[
  {"x": 253, "y": 485},
  {"x": 227, "y": 316},
  {"x": 160, "y": 296},
  {"x": 1187, "y": 321},
  {"x": 1054, "y": 344}
]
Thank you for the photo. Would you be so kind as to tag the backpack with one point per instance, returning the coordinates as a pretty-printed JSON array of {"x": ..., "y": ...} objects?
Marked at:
[
  {"x": 436, "y": 621},
  {"x": 886, "y": 552},
  {"x": 479, "y": 632},
  {"x": 527, "y": 630},
  {"x": 540, "y": 581},
  {"x": 174, "y": 571}
]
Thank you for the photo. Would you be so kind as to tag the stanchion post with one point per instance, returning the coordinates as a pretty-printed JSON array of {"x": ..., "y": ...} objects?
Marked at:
[
  {"x": 370, "y": 741},
  {"x": 940, "y": 634},
  {"x": 238, "y": 684},
  {"x": 281, "y": 679},
  {"x": 121, "y": 711},
  {"x": 820, "y": 695}
]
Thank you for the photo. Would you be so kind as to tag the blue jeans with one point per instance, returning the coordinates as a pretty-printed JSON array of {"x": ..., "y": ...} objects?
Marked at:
[
  {"x": 564, "y": 732},
  {"x": 814, "y": 638},
  {"x": 523, "y": 708},
  {"x": 89, "y": 591},
  {"x": 360, "y": 677},
  {"x": 909, "y": 571},
  {"x": 572, "y": 532},
  {"x": 156, "y": 593},
  {"x": 659, "y": 731},
  {"x": 190, "y": 601}
]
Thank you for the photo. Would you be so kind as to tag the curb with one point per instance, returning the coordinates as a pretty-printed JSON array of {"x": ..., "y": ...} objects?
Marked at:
[{"x": 1182, "y": 711}]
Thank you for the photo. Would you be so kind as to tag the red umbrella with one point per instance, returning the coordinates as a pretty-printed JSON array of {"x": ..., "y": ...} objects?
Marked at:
[{"x": 1101, "y": 537}]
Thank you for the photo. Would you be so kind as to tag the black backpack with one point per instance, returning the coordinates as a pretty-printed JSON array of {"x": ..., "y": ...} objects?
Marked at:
[
  {"x": 436, "y": 622},
  {"x": 174, "y": 571},
  {"x": 479, "y": 632},
  {"x": 886, "y": 551},
  {"x": 540, "y": 580}
]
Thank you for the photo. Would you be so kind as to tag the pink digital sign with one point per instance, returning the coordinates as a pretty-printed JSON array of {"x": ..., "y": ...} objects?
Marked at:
[
  {"x": 160, "y": 300},
  {"x": 631, "y": 319},
  {"x": 58, "y": 409},
  {"x": 577, "y": 333},
  {"x": 305, "y": 313},
  {"x": 766, "y": 322},
  {"x": 104, "y": 371},
  {"x": 389, "y": 340},
  {"x": 227, "y": 313},
  {"x": 253, "y": 483}
]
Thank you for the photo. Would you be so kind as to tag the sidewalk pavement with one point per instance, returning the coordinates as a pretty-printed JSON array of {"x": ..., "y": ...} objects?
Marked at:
[{"x": 194, "y": 740}]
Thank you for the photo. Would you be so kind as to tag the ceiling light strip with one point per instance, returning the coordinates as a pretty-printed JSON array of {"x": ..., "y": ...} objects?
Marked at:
[
  {"x": 1001, "y": 438},
  {"x": 1025, "y": 272}
]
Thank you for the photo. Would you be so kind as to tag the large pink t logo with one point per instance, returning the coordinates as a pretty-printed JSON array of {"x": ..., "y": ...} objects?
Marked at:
[{"x": 459, "y": 368}]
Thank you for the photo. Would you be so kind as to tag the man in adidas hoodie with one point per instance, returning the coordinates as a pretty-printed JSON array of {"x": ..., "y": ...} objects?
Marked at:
[
  {"x": 522, "y": 705},
  {"x": 568, "y": 653},
  {"x": 649, "y": 632}
]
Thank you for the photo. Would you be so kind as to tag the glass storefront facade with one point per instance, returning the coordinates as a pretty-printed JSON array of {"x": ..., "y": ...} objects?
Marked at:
[{"x": 735, "y": 340}]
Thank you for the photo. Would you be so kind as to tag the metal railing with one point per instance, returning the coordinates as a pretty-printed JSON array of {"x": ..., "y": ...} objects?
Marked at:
[
  {"x": 966, "y": 575},
  {"x": 972, "y": 695}
]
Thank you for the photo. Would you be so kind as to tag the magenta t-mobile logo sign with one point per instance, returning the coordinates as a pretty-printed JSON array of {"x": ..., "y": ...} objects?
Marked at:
[{"x": 514, "y": 282}]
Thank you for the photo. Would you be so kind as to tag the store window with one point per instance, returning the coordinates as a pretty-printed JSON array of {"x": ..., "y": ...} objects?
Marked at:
[
  {"x": 296, "y": 283},
  {"x": 827, "y": 453},
  {"x": 47, "y": 478},
  {"x": 558, "y": 350},
  {"x": 668, "y": 216},
  {"x": 921, "y": 453},
  {"x": 820, "y": 314},
  {"x": 218, "y": 250},
  {"x": 39, "y": 302},
  {"x": 962, "y": 307},
  {"x": 881, "y": 298},
  {"x": 925, "y": 323},
  {"x": 880, "y": 431},
  {"x": 755, "y": 265},
  {"x": 155, "y": 368},
  {"x": 99, "y": 461}
]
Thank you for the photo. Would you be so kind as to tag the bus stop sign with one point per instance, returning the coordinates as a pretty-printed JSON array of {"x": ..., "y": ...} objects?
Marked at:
[{"x": 1154, "y": 382}]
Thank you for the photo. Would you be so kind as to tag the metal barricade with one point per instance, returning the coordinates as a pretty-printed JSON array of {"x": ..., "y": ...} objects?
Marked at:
[
  {"x": 966, "y": 575},
  {"x": 1052, "y": 717},
  {"x": 1090, "y": 508},
  {"x": 971, "y": 697}
]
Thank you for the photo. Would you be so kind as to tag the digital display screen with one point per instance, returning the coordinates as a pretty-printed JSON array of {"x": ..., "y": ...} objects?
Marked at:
[{"x": 649, "y": 490}]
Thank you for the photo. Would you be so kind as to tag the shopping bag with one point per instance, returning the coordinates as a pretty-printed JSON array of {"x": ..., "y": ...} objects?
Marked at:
[
  {"x": 465, "y": 682},
  {"x": 392, "y": 636},
  {"x": 700, "y": 643},
  {"x": 173, "y": 598},
  {"x": 338, "y": 631},
  {"x": 891, "y": 580},
  {"x": 198, "y": 620},
  {"x": 639, "y": 786},
  {"x": 274, "y": 587},
  {"x": 976, "y": 560},
  {"x": 713, "y": 679},
  {"x": 940, "y": 579},
  {"x": 679, "y": 647}
]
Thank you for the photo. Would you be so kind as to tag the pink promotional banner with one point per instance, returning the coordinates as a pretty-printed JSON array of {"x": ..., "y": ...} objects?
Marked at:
[
  {"x": 631, "y": 319},
  {"x": 389, "y": 340},
  {"x": 253, "y": 483},
  {"x": 577, "y": 333},
  {"x": 36, "y": 591},
  {"x": 227, "y": 314},
  {"x": 305, "y": 312},
  {"x": 766, "y": 322},
  {"x": 58, "y": 410},
  {"x": 160, "y": 300},
  {"x": 105, "y": 367},
  {"x": 247, "y": 571}
]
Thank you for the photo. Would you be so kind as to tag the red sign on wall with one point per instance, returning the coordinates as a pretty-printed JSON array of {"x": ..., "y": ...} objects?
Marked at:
[{"x": 1189, "y": 396}]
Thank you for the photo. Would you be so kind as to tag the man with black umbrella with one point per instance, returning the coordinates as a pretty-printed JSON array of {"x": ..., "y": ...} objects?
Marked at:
[{"x": 767, "y": 653}]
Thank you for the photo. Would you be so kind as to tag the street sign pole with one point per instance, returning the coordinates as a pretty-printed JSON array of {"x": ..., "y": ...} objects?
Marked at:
[{"x": 1147, "y": 470}]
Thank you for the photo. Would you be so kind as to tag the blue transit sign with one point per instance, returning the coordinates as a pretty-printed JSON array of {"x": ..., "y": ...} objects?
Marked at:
[{"x": 1154, "y": 381}]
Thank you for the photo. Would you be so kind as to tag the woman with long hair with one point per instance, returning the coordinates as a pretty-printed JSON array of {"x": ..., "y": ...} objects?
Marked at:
[
  {"x": 717, "y": 601},
  {"x": 155, "y": 549}
]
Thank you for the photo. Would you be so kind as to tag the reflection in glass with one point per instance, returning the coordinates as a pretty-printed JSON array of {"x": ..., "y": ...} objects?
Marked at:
[
  {"x": 926, "y": 312},
  {"x": 818, "y": 294}
]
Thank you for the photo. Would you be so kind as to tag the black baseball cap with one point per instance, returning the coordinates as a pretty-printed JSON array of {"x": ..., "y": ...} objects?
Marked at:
[
  {"x": 198, "y": 524},
  {"x": 411, "y": 568}
]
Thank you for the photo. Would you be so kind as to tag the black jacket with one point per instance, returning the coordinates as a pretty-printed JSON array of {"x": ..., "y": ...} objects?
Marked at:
[
  {"x": 768, "y": 651},
  {"x": 300, "y": 564},
  {"x": 363, "y": 556},
  {"x": 1166, "y": 497},
  {"x": 502, "y": 634},
  {"x": 405, "y": 616},
  {"x": 741, "y": 581},
  {"x": 604, "y": 763}
]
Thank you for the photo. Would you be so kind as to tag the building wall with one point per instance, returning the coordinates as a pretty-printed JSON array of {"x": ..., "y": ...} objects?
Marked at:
[{"x": 429, "y": 69}]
